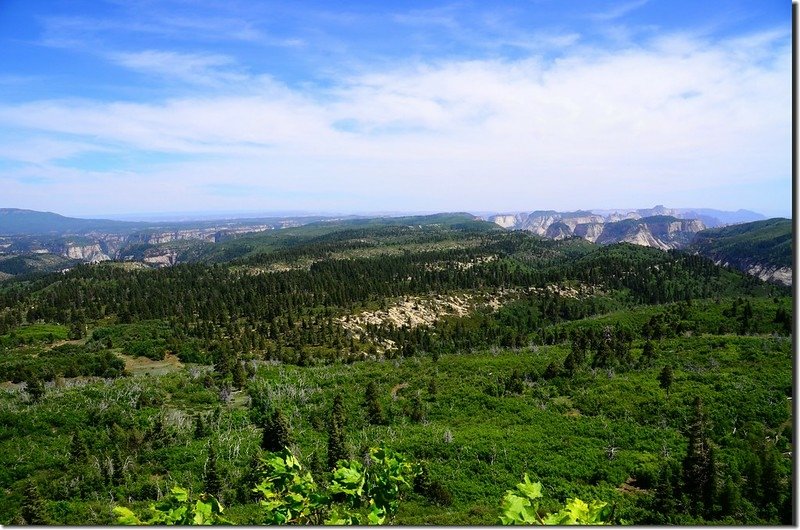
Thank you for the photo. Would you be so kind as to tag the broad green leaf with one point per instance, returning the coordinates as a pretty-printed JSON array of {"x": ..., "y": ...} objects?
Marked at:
[
  {"x": 202, "y": 513},
  {"x": 532, "y": 490},
  {"x": 126, "y": 516},
  {"x": 180, "y": 494}
]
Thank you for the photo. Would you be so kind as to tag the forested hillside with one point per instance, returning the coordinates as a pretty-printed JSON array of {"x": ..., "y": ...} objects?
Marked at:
[
  {"x": 657, "y": 382},
  {"x": 762, "y": 248}
]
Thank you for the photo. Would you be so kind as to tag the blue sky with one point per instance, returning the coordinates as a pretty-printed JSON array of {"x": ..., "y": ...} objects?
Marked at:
[{"x": 112, "y": 107}]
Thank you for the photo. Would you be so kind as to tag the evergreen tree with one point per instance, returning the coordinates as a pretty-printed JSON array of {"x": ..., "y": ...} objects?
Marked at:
[
  {"x": 211, "y": 481},
  {"x": 336, "y": 444},
  {"x": 699, "y": 473},
  {"x": 250, "y": 370},
  {"x": 571, "y": 363},
  {"x": 35, "y": 389},
  {"x": 730, "y": 498},
  {"x": 239, "y": 375},
  {"x": 199, "y": 427},
  {"x": 32, "y": 505},
  {"x": 432, "y": 489},
  {"x": 664, "y": 504},
  {"x": 77, "y": 449},
  {"x": 117, "y": 467},
  {"x": 432, "y": 390},
  {"x": 665, "y": 378},
  {"x": 417, "y": 409},
  {"x": 250, "y": 477},
  {"x": 648, "y": 352},
  {"x": 553, "y": 370},
  {"x": 276, "y": 434},
  {"x": 223, "y": 360},
  {"x": 374, "y": 408},
  {"x": 77, "y": 331},
  {"x": 772, "y": 490}
]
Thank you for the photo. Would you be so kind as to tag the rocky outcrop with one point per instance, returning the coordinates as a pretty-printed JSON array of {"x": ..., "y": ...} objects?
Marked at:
[
  {"x": 161, "y": 258},
  {"x": 96, "y": 246},
  {"x": 781, "y": 275},
  {"x": 590, "y": 231},
  {"x": 552, "y": 224},
  {"x": 92, "y": 253},
  {"x": 659, "y": 231},
  {"x": 558, "y": 230},
  {"x": 506, "y": 221}
]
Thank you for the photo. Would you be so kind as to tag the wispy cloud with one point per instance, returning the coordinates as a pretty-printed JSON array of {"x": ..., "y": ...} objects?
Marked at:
[
  {"x": 618, "y": 11},
  {"x": 583, "y": 129},
  {"x": 196, "y": 68}
]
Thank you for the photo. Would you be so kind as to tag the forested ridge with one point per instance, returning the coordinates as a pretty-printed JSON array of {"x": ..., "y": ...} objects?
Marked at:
[
  {"x": 767, "y": 242},
  {"x": 656, "y": 382}
]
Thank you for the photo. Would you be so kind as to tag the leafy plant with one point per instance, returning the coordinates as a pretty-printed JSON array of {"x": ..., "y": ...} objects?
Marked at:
[
  {"x": 178, "y": 508},
  {"x": 521, "y": 506},
  {"x": 357, "y": 494}
]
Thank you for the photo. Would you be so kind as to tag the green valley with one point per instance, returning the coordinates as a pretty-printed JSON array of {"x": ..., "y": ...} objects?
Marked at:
[{"x": 654, "y": 381}]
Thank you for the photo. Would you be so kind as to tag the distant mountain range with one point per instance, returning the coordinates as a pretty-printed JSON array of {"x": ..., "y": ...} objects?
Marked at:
[
  {"x": 15, "y": 222},
  {"x": 743, "y": 239},
  {"x": 540, "y": 221},
  {"x": 42, "y": 241},
  {"x": 658, "y": 227},
  {"x": 46, "y": 241}
]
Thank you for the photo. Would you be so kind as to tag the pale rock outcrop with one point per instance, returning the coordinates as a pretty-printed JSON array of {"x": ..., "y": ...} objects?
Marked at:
[
  {"x": 163, "y": 258},
  {"x": 662, "y": 231},
  {"x": 91, "y": 253},
  {"x": 589, "y": 231},
  {"x": 781, "y": 275}
]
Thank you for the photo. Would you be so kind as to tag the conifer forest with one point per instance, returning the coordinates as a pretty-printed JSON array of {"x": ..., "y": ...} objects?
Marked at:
[{"x": 426, "y": 370}]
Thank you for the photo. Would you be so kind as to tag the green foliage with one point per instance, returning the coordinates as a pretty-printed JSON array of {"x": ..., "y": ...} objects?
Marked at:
[
  {"x": 277, "y": 433},
  {"x": 767, "y": 242},
  {"x": 522, "y": 506},
  {"x": 373, "y": 404},
  {"x": 699, "y": 468},
  {"x": 355, "y": 495},
  {"x": 212, "y": 482},
  {"x": 32, "y": 507},
  {"x": 337, "y": 449},
  {"x": 665, "y": 378},
  {"x": 178, "y": 508},
  {"x": 606, "y": 319}
]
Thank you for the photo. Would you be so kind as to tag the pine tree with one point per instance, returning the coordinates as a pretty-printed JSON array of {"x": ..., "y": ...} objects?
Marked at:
[
  {"x": 199, "y": 427},
  {"x": 250, "y": 478},
  {"x": 117, "y": 468},
  {"x": 770, "y": 477},
  {"x": 648, "y": 352},
  {"x": 77, "y": 450},
  {"x": 32, "y": 506},
  {"x": 239, "y": 375},
  {"x": 374, "y": 408},
  {"x": 35, "y": 389},
  {"x": 336, "y": 444},
  {"x": 730, "y": 498},
  {"x": 553, "y": 370},
  {"x": 665, "y": 378},
  {"x": 432, "y": 390},
  {"x": 664, "y": 504},
  {"x": 571, "y": 363},
  {"x": 417, "y": 409},
  {"x": 276, "y": 434},
  {"x": 211, "y": 480},
  {"x": 699, "y": 473}
]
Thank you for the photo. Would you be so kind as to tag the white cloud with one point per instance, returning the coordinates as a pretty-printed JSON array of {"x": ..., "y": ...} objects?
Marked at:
[
  {"x": 202, "y": 69},
  {"x": 583, "y": 130}
]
